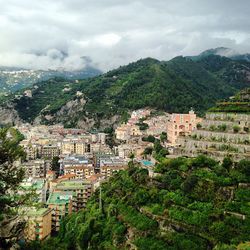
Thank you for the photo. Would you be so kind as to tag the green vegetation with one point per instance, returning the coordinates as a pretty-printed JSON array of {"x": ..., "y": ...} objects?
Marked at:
[
  {"x": 173, "y": 86},
  {"x": 150, "y": 138},
  {"x": 236, "y": 129},
  {"x": 238, "y": 104},
  {"x": 191, "y": 204},
  {"x": 163, "y": 137},
  {"x": 43, "y": 99},
  {"x": 10, "y": 175},
  {"x": 55, "y": 165},
  {"x": 142, "y": 125},
  {"x": 10, "y": 178}
]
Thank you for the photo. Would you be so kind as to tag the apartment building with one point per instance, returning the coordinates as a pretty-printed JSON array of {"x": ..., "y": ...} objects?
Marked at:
[
  {"x": 35, "y": 168},
  {"x": 61, "y": 204},
  {"x": 50, "y": 151},
  {"x": 80, "y": 171},
  {"x": 75, "y": 146},
  {"x": 38, "y": 226},
  {"x": 110, "y": 166},
  {"x": 82, "y": 191}
]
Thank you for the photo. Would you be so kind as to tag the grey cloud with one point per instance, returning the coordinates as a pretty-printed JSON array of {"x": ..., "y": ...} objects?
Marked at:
[{"x": 54, "y": 34}]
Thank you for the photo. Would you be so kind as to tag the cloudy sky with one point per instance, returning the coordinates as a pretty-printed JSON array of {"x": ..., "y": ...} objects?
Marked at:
[{"x": 45, "y": 34}]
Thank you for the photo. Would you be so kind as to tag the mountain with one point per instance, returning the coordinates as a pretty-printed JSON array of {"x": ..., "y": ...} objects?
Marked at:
[
  {"x": 173, "y": 86},
  {"x": 225, "y": 52},
  {"x": 194, "y": 204},
  {"x": 13, "y": 79}
]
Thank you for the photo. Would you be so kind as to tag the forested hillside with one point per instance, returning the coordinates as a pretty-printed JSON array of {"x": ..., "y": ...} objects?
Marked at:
[
  {"x": 173, "y": 86},
  {"x": 191, "y": 204}
]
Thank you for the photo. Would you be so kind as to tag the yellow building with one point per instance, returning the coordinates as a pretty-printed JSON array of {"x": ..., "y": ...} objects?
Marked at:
[
  {"x": 50, "y": 151},
  {"x": 108, "y": 171},
  {"x": 81, "y": 171},
  {"x": 38, "y": 225},
  {"x": 79, "y": 147},
  {"x": 126, "y": 131}
]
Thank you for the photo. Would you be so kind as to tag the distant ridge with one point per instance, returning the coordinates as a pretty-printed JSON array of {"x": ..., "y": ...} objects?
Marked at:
[
  {"x": 99, "y": 102},
  {"x": 223, "y": 51}
]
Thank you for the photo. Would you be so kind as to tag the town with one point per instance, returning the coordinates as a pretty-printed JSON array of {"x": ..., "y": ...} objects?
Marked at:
[{"x": 64, "y": 166}]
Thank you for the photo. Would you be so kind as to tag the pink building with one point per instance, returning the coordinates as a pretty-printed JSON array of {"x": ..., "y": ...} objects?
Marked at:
[{"x": 180, "y": 124}]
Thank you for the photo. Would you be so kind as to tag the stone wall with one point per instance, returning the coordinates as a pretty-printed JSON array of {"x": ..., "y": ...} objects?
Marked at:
[{"x": 215, "y": 143}]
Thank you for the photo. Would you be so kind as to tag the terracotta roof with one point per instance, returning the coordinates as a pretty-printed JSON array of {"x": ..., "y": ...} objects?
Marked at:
[
  {"x": 66, "y": 176},
  {"x": 94, "y": 177},
  {"x": 50, "y": 172}
]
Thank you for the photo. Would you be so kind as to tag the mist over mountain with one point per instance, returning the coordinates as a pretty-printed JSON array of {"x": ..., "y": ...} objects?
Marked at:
[
  {"x": 172, "y": 86},
  {"x": 225, "y": 52},
  {"x": 15, "y": 78}
]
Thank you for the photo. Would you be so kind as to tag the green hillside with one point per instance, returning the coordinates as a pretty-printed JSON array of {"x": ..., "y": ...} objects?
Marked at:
[
  {"x": 173, "y": 86},
  {"x": 191, "y": 204},
  {"x": 235, "y": 73},
  {"x": 240, "y": 103}
]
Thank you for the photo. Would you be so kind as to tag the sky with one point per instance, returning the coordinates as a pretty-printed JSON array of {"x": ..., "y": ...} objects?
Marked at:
[{"x": 70, "y": 34}]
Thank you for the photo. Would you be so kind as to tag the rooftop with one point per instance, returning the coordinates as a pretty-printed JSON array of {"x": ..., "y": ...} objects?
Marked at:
[
  {"x": 60, "y": 198},
  {"x": 75, "y": 184},
  {"x": 38, "y": 211}
]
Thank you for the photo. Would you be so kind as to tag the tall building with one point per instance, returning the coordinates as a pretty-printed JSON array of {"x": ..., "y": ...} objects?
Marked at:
[
  {"x": 50, "y": 151},
  {"x": 82, "y": 191},
  {"x": 110, "y": 166},
  {"x": 180, "y": 124},
  {"x": 79, "y": 165},
  {"x": 80, "y": 171},
  {"x": 35, "y": 168},
  {"x": 61, "y": 204},
  {"x": 77, "y": 146},
  {"x": 38, "y": 226}
]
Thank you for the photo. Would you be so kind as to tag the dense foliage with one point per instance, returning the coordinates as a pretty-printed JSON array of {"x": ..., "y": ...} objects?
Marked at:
[
  {"x": 10, "y": 178},
  {"x": 240, "y": 103},
  {"x": 10, "y": 174},
  {"x": 191, "y": 204},
  {"x": 173, "y": 86}
]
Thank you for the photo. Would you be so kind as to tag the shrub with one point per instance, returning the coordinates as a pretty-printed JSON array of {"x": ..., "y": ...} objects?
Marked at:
[
  {"x": 227, "y": 163},
  {"x": 222, "y": 127},
  {"x": 189, "y": 183},
  {"x": 198, "y": 126},
  {"x": 236, "y": 129}
]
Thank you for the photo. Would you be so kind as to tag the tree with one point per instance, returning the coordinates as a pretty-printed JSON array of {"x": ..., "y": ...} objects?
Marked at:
[
  {"x": 189, "y": 183},
  {"x": 227, "y": 163},
  {"x": 10, "y": 175},
  {"x": 236, "y": 129},
  {"x": 244, "y": 167},
  {"x": 157, "y": 146},
  {"x": 163, "y": 137},
  {"x": 148, "y": 151},
  {"x": 150, "y": 138},
  {"x": 55, "y": 165},
  {"x": 10, "y": 178},
  {"x": 198, "y": 126}
]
